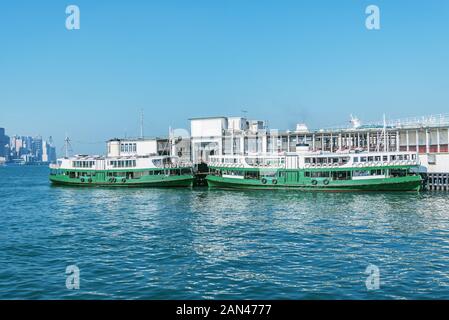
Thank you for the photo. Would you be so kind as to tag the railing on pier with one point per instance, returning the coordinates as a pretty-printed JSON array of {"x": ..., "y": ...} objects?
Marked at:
[{"x": 438, "y": 181}]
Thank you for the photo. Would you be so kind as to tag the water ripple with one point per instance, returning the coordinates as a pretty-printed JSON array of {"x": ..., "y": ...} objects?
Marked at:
[{"x": 193, "y": 244}]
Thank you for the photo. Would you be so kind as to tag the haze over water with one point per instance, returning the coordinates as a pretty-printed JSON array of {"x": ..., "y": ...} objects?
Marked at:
[{"x": 215, "y": 244}]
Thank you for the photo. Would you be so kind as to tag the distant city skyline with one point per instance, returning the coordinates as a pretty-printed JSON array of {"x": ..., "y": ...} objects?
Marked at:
[
  {"x": 26, "y": 149},
  {"x": 289, "y": 62}
]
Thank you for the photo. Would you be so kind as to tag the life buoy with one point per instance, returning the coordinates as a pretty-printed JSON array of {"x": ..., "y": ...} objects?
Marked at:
[
  {"x": 274, "y": 181},
  {"x": 89, "y": 180},
  {"x": 82, "y": 179},
  {"x": 314, "y": 182},
  {"x": 326, "y": 182},
  {"x": 123, "y": 180},
  {"x": 264, "y": 181}
]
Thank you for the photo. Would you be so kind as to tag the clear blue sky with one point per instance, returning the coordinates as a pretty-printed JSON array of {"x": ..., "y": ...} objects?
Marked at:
[{"x": 282, "y": 61}]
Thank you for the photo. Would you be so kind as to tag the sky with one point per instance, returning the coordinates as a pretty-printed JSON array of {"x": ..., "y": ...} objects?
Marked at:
[{"x": 281, "y": 61}]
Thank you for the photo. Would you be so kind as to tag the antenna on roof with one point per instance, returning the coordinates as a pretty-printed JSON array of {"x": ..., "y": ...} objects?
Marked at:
[
  {"x": 67, "y": 146},
  {"x": 141, "y": 123},
  {"x": 385, "y": 132}
]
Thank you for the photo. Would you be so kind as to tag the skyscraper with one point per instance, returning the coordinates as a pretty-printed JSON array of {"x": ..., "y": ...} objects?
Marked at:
[
  {"x": 48, "y": 151},
  {"x": 4, "y": 142}
]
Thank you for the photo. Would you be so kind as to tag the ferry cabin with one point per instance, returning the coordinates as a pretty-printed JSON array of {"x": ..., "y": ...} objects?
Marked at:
[{"x": 130, "y": 171}]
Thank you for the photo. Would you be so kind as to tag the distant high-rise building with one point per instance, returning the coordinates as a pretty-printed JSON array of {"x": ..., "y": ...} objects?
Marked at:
[
  {"x": 4, "y": 143},
  {"x": 48, "y": 151},
  {"x": 37, "y": 148}
]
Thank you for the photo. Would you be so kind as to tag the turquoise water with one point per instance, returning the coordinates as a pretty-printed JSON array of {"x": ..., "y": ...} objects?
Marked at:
[{"x": 213, "y": 244}]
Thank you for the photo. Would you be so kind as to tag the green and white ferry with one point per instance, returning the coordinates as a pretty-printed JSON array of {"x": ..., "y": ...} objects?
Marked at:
[
  {"x": 305, "y": 170},
  {"x": 129, "y": 163}
]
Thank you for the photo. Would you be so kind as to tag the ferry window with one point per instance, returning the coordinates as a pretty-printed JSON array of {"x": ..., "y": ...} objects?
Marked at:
[
  {"x": 307, "y": 160},
  {"x": 359, "y": 173},
  {"x": 414, "y": 156},
  {"x": 401, "y": 157},
  {"x": 392, "y": 158},
  {"x": 406, "y": 157},
  {"x": 370, "y": 159},
  {"x": 307, "y": 174},
  {"x": 356, "y": 159},
  {"x": 362, "y": 159},
  {"x": 385, "y": 158},
  {"x": 377, "y": 158},
  {"x": 320, "y": 174},
  {"x": 252, "y": 175},
  {"x": 398, "y": 172},
  {"x": 185, "y": 171},
  {"x": 341, "y": 175}
]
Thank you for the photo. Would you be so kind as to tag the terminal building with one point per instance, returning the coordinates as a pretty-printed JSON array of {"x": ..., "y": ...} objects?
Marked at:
[{"x": 428, "y": 136}]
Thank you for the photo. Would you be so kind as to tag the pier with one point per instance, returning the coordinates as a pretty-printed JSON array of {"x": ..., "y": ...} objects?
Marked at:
[{"x": 437, "y": 182}]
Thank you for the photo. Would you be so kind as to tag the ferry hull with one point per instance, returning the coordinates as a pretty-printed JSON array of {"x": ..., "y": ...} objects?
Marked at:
[
  {"x": 411, "y": 183},
  {"x": 163, "y": 182}
]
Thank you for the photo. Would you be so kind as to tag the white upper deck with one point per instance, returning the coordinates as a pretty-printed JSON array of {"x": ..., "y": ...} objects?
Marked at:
[
  {"x": 119, "y": 163},
  {"x": 300, "y": 160}
]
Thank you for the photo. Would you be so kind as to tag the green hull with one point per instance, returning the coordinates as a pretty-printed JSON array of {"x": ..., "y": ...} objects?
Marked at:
[
  {"x": 409, "y": 183},
  {"x": 160, "y": 182}
]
